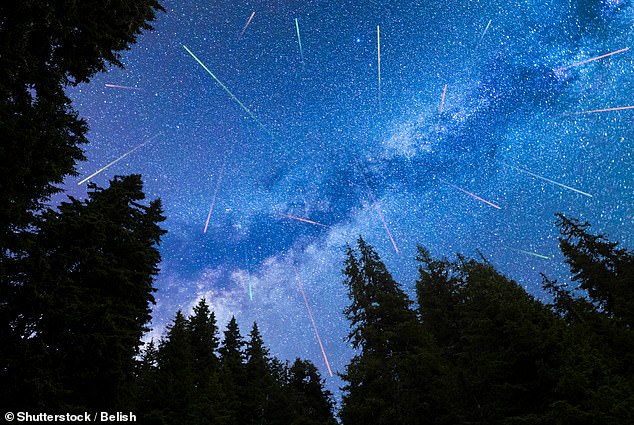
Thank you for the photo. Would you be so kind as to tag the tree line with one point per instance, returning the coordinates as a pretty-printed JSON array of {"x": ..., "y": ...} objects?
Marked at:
[
  {"x": 77, "y": 285},
  {"x": 192, "y": 378},
  {"x": 476, "y": 348}
]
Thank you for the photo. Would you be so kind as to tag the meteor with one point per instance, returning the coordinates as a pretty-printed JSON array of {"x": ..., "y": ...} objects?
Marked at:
[
  {"x": 229, "y": 93},
  {"x": 299, "y": 41},
  {"x": 531, "y": 253},
  {"x": 245, "y": 27},
  {"x": 213, "y": 200},
  {"x": 310, "y": 314},
  {"x": 471, "y": 194},
  {"x": 250, "y": 287},
  {"x": 305, "y": 220},
  {"x": 376, "y": 206},
  {"x": 115, "y": 86},
  {"x": 378, "y": 54},
  {"x": 485, "y": 31},
  {"x": 594, "y": 111},
  {"x": 591, "y": 59},
  {"x": 442, "y": 102},
  {"x": 546, "y": 179},
  {"x": 118, "y": 159}
]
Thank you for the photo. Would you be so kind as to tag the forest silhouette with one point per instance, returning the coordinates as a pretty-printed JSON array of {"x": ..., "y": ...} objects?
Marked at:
[{"x": 77, "y": 289}]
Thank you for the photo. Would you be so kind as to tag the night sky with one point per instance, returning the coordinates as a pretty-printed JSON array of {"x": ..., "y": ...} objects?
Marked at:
[{"x": 321, "y": 142}]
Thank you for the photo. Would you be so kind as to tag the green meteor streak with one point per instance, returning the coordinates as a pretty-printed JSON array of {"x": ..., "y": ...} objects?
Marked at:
[
  {"x": 299, "y": 40},
  {"x": 531, "y": 253},
  {"x": 229, "y": 92},
  {"x": 250, "y": 288}
]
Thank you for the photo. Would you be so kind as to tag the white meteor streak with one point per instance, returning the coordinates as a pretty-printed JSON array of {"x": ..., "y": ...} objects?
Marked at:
[
  {"x": 537, "y": 176},
  {"x": 116, "y": 86},
  {"x": 594, "y": 111},
  {"x": 118, "y": 159},
  {"x": 378, "y": 53},
  {"x": 213, "y": 200},
  {"x": 485, "y": 31},
  {"x": 442, "y": 101}
]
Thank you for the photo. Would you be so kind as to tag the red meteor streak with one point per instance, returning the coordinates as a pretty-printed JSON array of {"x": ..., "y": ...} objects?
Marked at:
[
  {"x": 305, "y": 220},
  {"x": 310, "y": 314},
  {"x": 245, "y": 27},
  {"x": 213, "y": 200},
  {"x": 471, "y": 194},
  {"x": 376, "y": 206},
  {"x": 592, "y": 59}
]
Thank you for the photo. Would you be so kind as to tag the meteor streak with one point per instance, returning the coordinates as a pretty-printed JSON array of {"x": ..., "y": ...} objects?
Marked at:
[
  {"x": 471, "y": 194},
  {"x": 213, "y": 200},
  {"x": 546, "y": 179},
  {"x": 531, "y": 253},
  {"x": 378, "y": 54},
  {"x": 442, "y": 102},
  {"x": 310, "y": 314},
  {"x": 592, "y": 59},
  {"x": 299, "y": 41},
  {"x": 245, "y": 27},
  {"x": 305, "y": 220},
  {"x": 485, "y": 31},
  {"x": 118, "y": 159},
  {"x": 376, "y": 206},
  {"x": 594, "y": 111},
  {"x": 229, "y": 93},
  {"x": 115, "y": 86}
]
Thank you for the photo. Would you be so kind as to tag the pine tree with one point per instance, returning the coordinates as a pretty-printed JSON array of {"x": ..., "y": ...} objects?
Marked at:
[
  {"x": 437, "y": 292},
  {"x": 382, "y": 386},
  {"x": 232, "y": 374},
  {"x": 204, "y": 342},
  {"x": 44, "y": 48},
  {"x": 312, "y": 404},
  {"x": 176, "y": 375},
  {"x": 596, "y": 383},
  {"x": 148, "y": 385},
  {"x": 604, "y": 271},
  {"x": 88, "y": 285},
  {"x": 259, "y": 382}
]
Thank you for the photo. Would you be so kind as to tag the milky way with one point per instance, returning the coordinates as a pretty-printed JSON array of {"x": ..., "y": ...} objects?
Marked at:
[{"x": 472, "y": 93}]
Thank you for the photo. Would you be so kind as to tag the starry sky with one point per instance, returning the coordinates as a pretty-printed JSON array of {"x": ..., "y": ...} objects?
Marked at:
[{"x": 311, "y": 133}]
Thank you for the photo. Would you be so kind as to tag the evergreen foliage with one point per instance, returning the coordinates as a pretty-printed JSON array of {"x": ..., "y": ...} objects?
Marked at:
[
  {"x": 76, "y": 282},
  {"x": 244, "y": 385},
  {"x": 50, "y": 324},
  {"x": 45, "y": 47},
  {"x": 483, "y": 351},
  {"x": 88, "y": 284},
  {"x": 313, "y": 405},
  {"x": 381, "y": 388}
]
